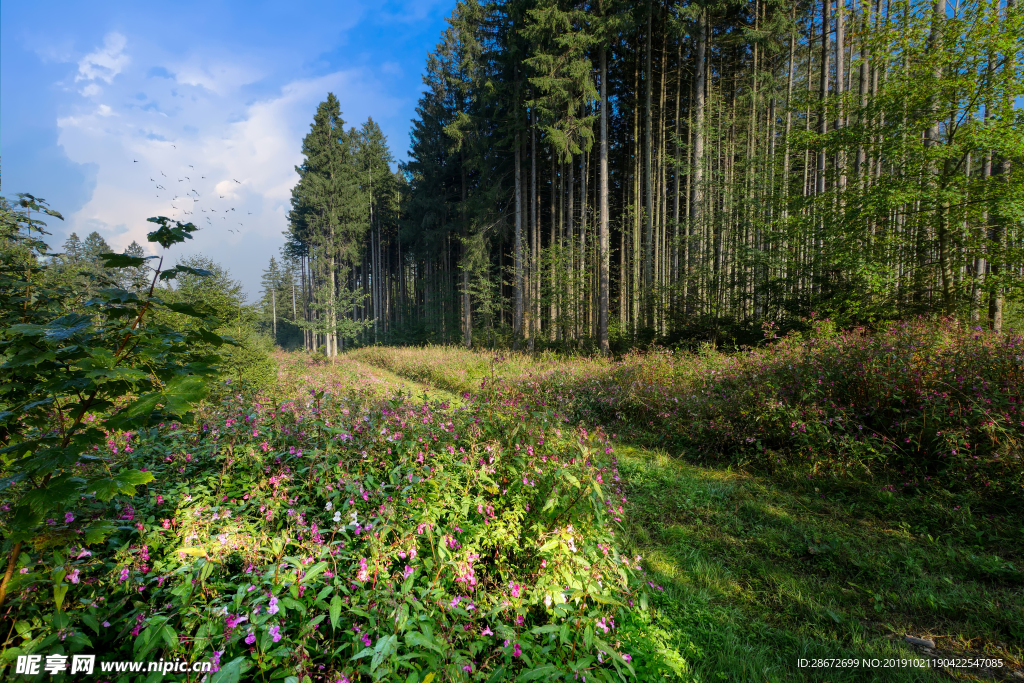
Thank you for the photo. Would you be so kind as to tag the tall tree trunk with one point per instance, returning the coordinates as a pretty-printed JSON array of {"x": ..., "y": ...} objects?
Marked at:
[
  {"x": 534, "y": 241},
  {"x": 467, "y": 309},
  {"x": 517, "y": 321},
  {"x": 840, "y": 86},
  {"x": 674, "y": 283},
  {"x": 553, "y": 313},
  {"x": 603, "y": 240},
  {"x": 697, "y": 172},
  {"x": 648, "y": 299},
  {"x": 1001, "y": 168}
]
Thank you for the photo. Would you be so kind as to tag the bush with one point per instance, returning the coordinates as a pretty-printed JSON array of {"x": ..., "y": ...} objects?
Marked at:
[{"x": 344, "y": 535}]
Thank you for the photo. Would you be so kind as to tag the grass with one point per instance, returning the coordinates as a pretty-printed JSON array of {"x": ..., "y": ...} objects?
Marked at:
[{"x": 761, "y": 570}]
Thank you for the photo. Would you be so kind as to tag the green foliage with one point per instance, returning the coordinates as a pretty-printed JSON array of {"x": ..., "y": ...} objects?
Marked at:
[
  {"x": 379, "y": 537},
  {"x": 915, "y": 405},
  {"x": 72, "y": 379},
  {"x": 206, "y": 287}
]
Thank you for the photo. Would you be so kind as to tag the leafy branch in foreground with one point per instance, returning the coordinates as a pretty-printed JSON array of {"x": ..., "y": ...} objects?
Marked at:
[{"x": 71, "y": 379}]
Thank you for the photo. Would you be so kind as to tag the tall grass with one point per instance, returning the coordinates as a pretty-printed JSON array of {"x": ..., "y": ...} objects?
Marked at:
[{"x": 927, "y": 402}]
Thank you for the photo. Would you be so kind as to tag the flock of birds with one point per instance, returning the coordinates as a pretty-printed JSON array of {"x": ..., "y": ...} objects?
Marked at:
[{"x": 195, "y": 197}]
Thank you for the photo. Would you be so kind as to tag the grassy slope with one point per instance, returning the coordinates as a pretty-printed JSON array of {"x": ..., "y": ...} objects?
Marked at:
[{"x": 758, "y": 572}]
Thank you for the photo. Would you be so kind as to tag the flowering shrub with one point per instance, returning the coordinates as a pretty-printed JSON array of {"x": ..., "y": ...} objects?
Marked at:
[
  {"x": 926, "y": 402},
  {"x": 335, "y": 534}
]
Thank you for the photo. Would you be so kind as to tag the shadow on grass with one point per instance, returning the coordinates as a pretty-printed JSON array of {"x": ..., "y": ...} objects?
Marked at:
[{"x": 760, "y": 573}]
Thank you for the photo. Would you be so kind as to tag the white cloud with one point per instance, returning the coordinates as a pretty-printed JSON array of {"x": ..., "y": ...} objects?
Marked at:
[
  {"x": 90, "y": 90},
  {"x": 207, "y": 151},
  {"x": 106, "y": 62},
  {"x": 220, "y": 78}
]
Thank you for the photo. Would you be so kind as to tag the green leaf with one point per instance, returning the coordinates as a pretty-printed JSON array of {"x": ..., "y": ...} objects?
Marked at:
[
  {"x": 314, "y": 572},
  {"x": 382, "y": 650},
  {"x": 418, "y": 639},
  {"x": 230, "y": 672},
  {"x": 123, "y": 260},
  {"x": 59, "y": 591},
  {"x": 184, "y": 309},
  {"x": 209, "y": 337},
  {"x": 58, "y": 491},
  {"x": 142, "y": 406},
  {"x": 182, "y": 392},
  {"x": 292, "y": 603},
  {"x": 127, "y": 480},
  {"x": 170, "y": 231},
  {"x": 335, "y": 610},
  {"x": 90, "y": 621},
  {"x": 96, "y": 532},
  {"x": 545, "y": 672}
]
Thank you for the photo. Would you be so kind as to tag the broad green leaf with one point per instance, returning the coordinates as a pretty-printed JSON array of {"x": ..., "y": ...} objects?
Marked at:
[
  {"x": 314, "y": 572},
  {"x": 123, "y": 260},
  {"x": 230, "y": 672},
  {"x": 59, "y": 591},
  {"x": 544, "y": 672},
  {"x": 335, "y": 610}
]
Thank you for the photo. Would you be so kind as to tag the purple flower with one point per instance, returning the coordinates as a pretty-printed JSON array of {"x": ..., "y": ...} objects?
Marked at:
[
  {"x": 73, "y": 576},
  {"x": 250, "y": 639},
  {"x": 68, "y": 518},
  {"x": 407, "y": 572},
  {"x": 272, "y": 608},
  {"x": 275, "y": 633},
  {"x": 124, "y": 575}
]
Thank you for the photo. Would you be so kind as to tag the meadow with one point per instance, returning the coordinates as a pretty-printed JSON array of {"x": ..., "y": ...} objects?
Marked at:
[{"x": 438, "y": 514}]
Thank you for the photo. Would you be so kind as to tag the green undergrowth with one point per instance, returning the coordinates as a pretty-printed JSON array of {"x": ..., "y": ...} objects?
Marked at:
[
  {"x": 339, "y": 527},
  {"x": 760, "y": 569}
]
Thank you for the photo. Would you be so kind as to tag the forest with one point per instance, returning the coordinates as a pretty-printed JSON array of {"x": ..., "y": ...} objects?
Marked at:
[
  {"x": 584, "y": 175},
  {"x": 684, "y": 344}
]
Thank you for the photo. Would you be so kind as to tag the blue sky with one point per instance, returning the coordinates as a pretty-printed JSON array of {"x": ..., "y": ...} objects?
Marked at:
[{"x": 100, "y": 102}]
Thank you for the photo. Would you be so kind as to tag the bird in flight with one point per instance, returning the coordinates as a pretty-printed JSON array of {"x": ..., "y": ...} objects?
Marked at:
[
  {"x": 250, "y": 213},
  {"x": 222, "y": 196},
  {"x": 174, "y": 146},
  {"x": 191, "y": 166},
  {"x": 237, "y": 181},
  {"x": 135, "y": 160},
  {"x": 163, "y": 174}
]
